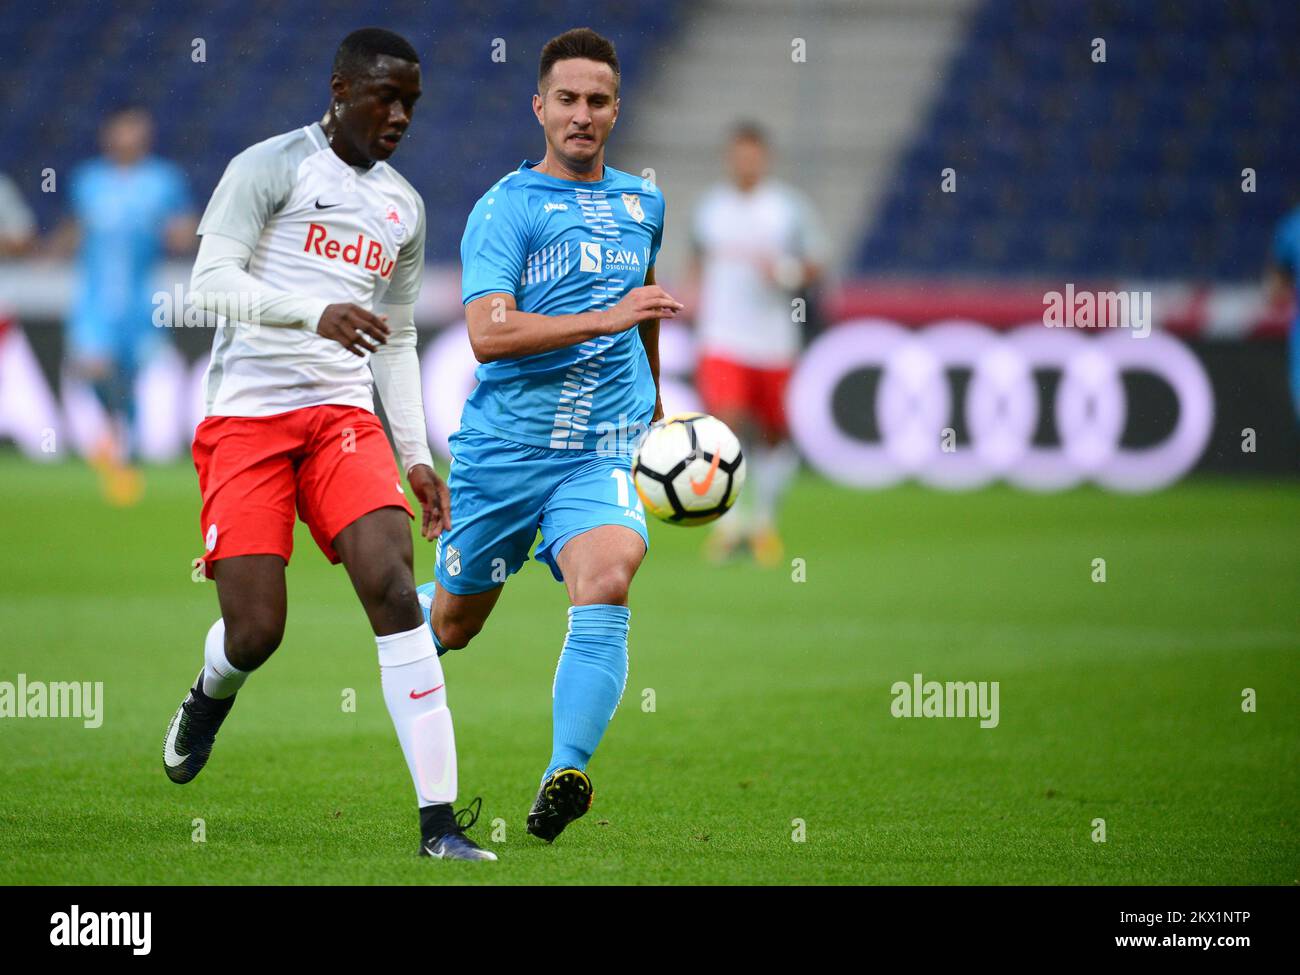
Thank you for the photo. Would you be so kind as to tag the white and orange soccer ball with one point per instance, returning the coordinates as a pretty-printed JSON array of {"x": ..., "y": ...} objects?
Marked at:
[{"x": 688, "y": 469}]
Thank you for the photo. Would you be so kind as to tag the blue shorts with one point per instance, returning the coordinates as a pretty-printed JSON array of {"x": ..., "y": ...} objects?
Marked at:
[{"x": 502, "y": 492}]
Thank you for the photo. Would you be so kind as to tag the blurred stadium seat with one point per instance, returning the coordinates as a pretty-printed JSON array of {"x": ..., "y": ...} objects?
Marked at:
[
  {"x": 473, "y": 123},
  {"x": 1057, "y": 156}
]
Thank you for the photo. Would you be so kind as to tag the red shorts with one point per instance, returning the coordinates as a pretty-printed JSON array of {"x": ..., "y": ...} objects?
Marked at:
[
  {"x": 733, "y": 387},
  {"x": 332, "y": 462}
]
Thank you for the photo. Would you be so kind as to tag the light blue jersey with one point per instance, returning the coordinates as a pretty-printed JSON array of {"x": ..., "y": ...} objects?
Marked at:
[
  {"x": 563, "y": 247},
  {"x": 123, "y": 212}
]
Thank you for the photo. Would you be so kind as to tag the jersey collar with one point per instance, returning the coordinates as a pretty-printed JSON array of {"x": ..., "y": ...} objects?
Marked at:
[{"x": 527, "y": 167}]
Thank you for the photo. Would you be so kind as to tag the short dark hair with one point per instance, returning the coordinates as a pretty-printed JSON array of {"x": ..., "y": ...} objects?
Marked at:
[
  {"x": 360, "y": 48},
  {"x": 749, "y": 131},
  {"x": 581, "y": 42},
  {"x": 127, "y": 108}
]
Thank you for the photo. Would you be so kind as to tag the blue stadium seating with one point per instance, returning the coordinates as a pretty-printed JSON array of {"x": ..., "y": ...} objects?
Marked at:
[
  {"x": 1127, "y": 168},
  {"x": 267, "y": 70}
]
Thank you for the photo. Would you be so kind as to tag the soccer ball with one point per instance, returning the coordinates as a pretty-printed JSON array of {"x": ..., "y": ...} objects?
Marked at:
[{"x": 688, "y": 469}]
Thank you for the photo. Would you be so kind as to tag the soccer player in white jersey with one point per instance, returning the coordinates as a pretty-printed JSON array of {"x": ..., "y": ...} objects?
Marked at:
[
  {"x": 313, "y": 250},
  {"x": 563, "y": 313},
  {"x": 756, "y": 246}
]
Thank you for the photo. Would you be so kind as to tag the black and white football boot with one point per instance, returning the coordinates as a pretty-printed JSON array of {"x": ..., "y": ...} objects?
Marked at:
[
  {"x": 444, "y": 832},
  {"x": 192, "y": 732},
  {"x": 566, "y": 795}
]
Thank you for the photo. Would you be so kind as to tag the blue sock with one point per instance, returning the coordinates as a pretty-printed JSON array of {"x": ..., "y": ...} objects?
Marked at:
[
  {"x": 589, "y": 681},
  {"x": 425, "y": 594}
]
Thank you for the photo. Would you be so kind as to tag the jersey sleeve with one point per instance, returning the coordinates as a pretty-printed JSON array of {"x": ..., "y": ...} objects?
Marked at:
[
  {"x": 16, "y": 219},
  {"x": 657, "y": 240},
  {"x": 809, "y": 241},
  {"x": 494, "y": 247},
  {"x": 405, "y": 286},
  {"x": 254, "y": 186},
  {"x": 79, "y": 192},
  {"x": 1286, "y": 253}
]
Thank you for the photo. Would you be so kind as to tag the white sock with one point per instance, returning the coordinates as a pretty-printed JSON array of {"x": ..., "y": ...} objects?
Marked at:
[
  {"x": 773, "y": 469},
  {"x": 734, "y": 525},
  {"x": 416, "y": 695},
  {"x": 221, "y": 678}
]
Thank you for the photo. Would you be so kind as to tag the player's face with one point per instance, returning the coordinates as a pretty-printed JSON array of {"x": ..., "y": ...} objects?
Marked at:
[
  {"x": 747, "y": 161},
  {"x": 375, "y": 109},
  {"x": 577, "y": 109},
  {"x": 127, "y": 137}
]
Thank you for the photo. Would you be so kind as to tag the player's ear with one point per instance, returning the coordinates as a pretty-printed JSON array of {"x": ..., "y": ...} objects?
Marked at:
[
  {"x": 538, "y": 105},
  {"x": 338, "y": 88}
]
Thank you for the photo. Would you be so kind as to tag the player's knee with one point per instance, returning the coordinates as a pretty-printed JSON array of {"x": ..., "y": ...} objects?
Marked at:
[
  {"x": 249, "y": 642},
  {"x": 608, "y": 584},
  {"x": 393, "y": 597},
  {"x": 399, "y": 593},
  {"x": 455, "y": 632}
]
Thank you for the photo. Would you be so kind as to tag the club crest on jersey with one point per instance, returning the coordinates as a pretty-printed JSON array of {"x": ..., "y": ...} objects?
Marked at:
[
  {"x": 399, "y": 228},
  {"x": 632, "y": 203},
  {"x": 362, "y": 252}
]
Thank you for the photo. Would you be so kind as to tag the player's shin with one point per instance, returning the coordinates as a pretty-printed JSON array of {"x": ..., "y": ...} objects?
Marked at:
[
  {"x": 416, "y": 695},
  {"x": 774, "y": 468},
  {"x": 221, "y": 678},
  {"x": 589, "y": 682}
]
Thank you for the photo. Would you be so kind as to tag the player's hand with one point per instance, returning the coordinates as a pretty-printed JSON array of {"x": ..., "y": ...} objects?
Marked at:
[
  {"x": 434, "y": 498},
  {"x": 640, "y": 304},
  {"x": 659, "y": 409},
  {"x": 351, "y": 326}
]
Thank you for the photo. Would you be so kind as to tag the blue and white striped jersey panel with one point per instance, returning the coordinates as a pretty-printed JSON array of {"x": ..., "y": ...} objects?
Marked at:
[{"x": 549, "y": 262}]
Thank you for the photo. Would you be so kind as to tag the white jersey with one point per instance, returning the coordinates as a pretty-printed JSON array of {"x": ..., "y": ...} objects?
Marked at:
[
  {"x": 743, "y": 315},
  {"x": 317, "y": 227}
]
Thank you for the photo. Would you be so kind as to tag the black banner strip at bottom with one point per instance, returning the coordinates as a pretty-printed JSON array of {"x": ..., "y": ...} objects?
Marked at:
[{"x": 185, "y": 923}]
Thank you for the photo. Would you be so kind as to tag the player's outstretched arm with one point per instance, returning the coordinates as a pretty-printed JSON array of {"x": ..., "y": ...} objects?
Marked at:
[{"x": 499, "y": 330}]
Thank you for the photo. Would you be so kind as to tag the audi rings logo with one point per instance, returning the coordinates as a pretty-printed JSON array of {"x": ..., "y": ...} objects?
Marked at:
[
  {"x": 914, "y": 407},
  {"x": 1002, "y": 412}
]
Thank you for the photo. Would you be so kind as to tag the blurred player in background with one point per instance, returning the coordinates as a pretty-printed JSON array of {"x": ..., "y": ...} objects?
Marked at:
[
  {"x": 313, "y": 234},
  {"x": 17, "y": 224},
  {"x": 756, "y": 246},
  {"x": 563, "y": 314},
  {"x": 127, "y": 207},
  {"x": 1283, "y": 278},
  {"x": 17, "y": 235}
]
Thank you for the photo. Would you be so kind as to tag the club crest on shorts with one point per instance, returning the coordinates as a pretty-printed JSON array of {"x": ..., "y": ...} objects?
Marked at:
[
  {"x": 211, "y": 540},
  {"x": 451, "y": 560},
  {"x": 632, "y": 203}
]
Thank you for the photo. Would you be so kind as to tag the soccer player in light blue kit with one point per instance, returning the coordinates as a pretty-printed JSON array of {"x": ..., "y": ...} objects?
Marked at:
[
  {"x": 128, "y": 205},
  {"x": 558, "y": 261}
]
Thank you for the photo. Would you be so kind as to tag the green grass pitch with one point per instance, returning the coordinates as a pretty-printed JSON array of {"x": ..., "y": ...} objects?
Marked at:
[{"x": 1119, "y": 701}]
